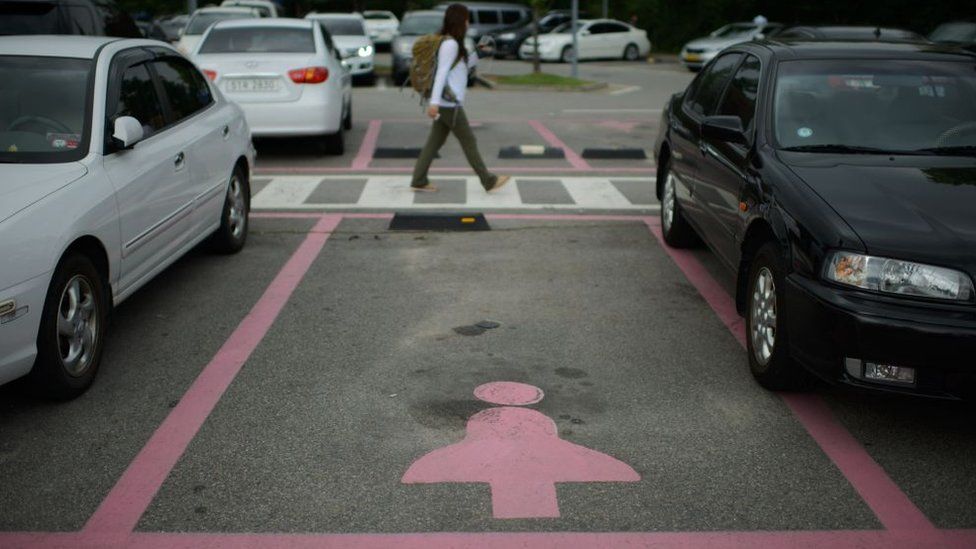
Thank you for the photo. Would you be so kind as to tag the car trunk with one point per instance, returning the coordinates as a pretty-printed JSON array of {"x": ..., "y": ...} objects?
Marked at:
[{"x": 254, "y": 78}]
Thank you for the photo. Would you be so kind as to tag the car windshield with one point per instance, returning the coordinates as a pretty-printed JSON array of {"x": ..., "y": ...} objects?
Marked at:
[
  {"x": 28, "y": 18},
  {"x": 259, "y": 40},
  {"x": 342, "y": 26},
  {"x": 377, "y": 16},
  {"x": 421, "y": 24},
  {"x": 735, "y": 29},
  {"x": 202, "y": 21},
  {"x": 43, "y": 104},
  {"x": 954, "y": 32},
  {"x": 265, "y": 11},
  {"x": 564, "y": 28},
  {"x": 893, "y": 105}
]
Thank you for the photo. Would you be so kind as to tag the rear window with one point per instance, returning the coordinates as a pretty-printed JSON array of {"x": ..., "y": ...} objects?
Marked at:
[
  {"x": 511, "y": 16},
  {"x": 487, "y": 17},
  {"x": 421, "y": 24},
  {"x": 28, "y": 18},
  {"x": 259, "y": 40},
  {"x": 378, "y": 16},
  {"x": 342, "y": 26},
  {"x": 202, "y": 21},
  {"x": 43, "y": 109}
]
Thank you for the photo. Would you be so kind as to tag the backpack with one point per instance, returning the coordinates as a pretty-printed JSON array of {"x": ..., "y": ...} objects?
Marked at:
[{"x": 423, "y": 66}]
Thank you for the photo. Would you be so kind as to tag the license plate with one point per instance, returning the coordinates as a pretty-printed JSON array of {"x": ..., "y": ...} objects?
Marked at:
[
  {"x": 252, "y": 85},
  {"x": 693, "y": 57}
]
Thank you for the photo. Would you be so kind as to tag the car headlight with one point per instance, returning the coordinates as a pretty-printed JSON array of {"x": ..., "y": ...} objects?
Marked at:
[
  {"x": 365, "y": 51},
  {"x": 507, "y": 36},
  {"x": 893, "y": 276}
]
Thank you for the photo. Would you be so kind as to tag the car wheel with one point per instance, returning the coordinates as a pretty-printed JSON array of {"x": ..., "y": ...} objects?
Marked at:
[
  {"x": 335, "y": 144},
  {"x": 631, "y": 53},
  {"x": 230, "y": 237},
  {"x": 766, "y": 335},
  {"x": 567, "y": 55},
  {"x": 73, "y": 324},
  {"x": 674, "y": 227}
]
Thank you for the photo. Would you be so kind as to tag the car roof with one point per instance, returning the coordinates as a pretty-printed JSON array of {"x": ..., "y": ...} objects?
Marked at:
[
  {"x": 281, "y": 22},
  {"x": 225, "y": 9},
  {"x": 850, "y": 31},
  {"x": 476, "y": 5},
  {"x": 333, "y": 15},
  {"x": 859, "y": 49},
  {"x": 423, "y": 12},
  {"x": 79, "y": 47}
]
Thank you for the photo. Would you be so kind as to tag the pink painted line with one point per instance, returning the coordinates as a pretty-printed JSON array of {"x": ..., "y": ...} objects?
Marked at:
[
  {"x": 563, "y": 217},
  {"x": 861, "y": 539},
  {"x": 571, "y": 156},
  {"x": 554, "y": 170},
  {"x": 120, "y": 511},
  {"x": 567, "y": 119},
  {"x": 885, "y": 498},
  {"x": 368, "y": 146},
  {"x": 284, "y": 215}
]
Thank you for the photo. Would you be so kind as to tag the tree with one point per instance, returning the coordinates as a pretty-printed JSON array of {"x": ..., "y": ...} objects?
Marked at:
[{"x": 539, "y": 7}]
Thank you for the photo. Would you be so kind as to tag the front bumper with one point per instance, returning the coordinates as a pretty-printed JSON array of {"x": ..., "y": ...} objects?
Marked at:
[
  {"x": 359, "y": 66},
  {"x": 545, "y": 54},
  {"x": 831, "y": 327},
  {"x": 18, "y": 330},
  {"x": 696, "y": 60}
]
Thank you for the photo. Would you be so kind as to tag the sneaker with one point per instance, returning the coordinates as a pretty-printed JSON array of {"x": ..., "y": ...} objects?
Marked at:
[
  {"x": 428, "y": 188},
  {"x": 499, "y": 183}
]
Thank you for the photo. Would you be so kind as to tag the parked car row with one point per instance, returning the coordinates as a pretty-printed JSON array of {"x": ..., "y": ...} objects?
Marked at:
[{"x": 595, "y": 39}]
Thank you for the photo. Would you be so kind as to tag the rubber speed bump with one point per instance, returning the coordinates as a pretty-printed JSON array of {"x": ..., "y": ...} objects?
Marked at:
[
  {"x": 614, "y": 154},
  {"x": 398, "y": 152},
  {"x": 531, "y": 151},
  {"x": 439, "y": 221}
]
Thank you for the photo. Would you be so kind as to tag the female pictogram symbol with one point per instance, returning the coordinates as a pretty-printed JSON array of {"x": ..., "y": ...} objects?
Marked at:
[{"x": 518, "y": 452}]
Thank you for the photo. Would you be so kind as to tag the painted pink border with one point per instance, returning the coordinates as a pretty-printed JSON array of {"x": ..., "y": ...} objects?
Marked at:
[
  {"x": 113, "y": 523},
  {"x": 574, "y": 159},
  {"x": 554, "y": 170}
]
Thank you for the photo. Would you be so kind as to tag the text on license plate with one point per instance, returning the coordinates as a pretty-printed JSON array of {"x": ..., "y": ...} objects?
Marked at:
[{"x": 252, "y": 85}]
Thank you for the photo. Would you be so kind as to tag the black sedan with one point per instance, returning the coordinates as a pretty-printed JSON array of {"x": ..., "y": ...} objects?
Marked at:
[{"x": 838, "y": 181}]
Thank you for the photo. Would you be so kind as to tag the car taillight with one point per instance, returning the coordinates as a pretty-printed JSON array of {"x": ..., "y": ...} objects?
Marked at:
[
  {"x": 309, "y": 75},
  {"x": 212, "y": 75}
]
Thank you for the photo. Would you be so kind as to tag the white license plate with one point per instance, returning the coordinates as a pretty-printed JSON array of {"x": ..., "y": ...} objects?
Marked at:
[{"x": 252, "y": 85}]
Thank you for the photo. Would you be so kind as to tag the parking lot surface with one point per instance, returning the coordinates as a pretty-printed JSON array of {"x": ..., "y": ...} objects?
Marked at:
[{"x": 280, "y": 396}]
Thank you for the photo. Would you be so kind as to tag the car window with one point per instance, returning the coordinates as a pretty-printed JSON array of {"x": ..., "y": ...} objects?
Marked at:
[
  {"x": 615, "y": 27},
  {"x": 138, "y": 99},
  {"x": 487, "y": 17},
  {"x": 598, "y": 28},
  {"x": 29, "y": 18},
  {"x": 711, "y": 83},
  {"x": 186, "y": 90},
  {"x": 511, "y": 16},
  {"x": 259, "y": 40},
  {"x": 740, "y": 97},
  {"x": 421, "y": 24}
]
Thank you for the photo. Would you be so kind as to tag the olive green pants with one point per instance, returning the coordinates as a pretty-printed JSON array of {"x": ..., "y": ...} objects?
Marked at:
[{"x": 451, "y": 120}]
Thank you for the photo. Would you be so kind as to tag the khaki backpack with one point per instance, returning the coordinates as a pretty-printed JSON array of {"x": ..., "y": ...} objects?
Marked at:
[{"x": 423, "y": 66}]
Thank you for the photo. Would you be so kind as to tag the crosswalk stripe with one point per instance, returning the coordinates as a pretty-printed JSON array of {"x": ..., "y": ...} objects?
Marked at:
[{"x": 392, "y": 192}]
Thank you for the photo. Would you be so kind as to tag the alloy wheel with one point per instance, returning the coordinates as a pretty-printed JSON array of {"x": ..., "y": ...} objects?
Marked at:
[
  {"x": 762, "y": 316},
  {"x": 78, "y": 325},
  {"x": 236, "y": 216},
  {"x": 667, "y": 204}
]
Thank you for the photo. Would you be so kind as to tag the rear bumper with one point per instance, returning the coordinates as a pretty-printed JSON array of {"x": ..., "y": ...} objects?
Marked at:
[
  {"x": 832, "y": 331},
  {"x": 307, "y": 116}
]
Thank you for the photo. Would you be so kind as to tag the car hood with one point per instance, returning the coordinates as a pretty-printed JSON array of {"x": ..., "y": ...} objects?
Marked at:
[
  {"x": 24, "y": 184},
  {"x": 924, "y": 213},
  {"x": 351, "y": 42},
  {"x": 716, "y": 43}
]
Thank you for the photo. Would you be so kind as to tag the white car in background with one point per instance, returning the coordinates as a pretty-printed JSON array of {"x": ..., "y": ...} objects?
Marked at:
[
  {"x": 597, "y": 39},
  {"x": 116, "y": 158},
  {"x": 697, "y": 53},
  {"x": 201, "y": 20},
  {"x": 264, "y": 7},
  {"x": 381, "y": 26},
  {"x": 285, "y": 73},
  {"x": 348, "y": 31}
]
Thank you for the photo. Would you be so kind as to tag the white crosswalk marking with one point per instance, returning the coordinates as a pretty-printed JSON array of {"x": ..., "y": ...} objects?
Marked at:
[{"x": 392, "y": 192}]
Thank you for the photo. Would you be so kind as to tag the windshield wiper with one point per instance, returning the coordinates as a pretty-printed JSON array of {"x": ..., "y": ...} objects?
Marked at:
[
  {"x": 844, "y": 149},
  {"x": 958, "y": 150}
]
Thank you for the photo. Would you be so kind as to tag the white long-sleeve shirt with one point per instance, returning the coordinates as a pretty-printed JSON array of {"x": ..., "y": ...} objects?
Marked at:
[{"x": 448, "y": 74}]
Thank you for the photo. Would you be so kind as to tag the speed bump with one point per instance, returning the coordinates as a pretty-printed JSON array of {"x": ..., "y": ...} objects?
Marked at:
[
  {"x": 439, "y": 221},
  {"x": 531, "y": 151}
]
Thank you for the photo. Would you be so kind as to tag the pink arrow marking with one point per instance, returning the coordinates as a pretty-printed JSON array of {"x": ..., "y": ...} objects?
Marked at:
[{"x": 518, "y": 452}]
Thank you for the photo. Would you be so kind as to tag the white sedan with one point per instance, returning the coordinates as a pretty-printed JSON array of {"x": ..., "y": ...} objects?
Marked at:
[
  {"x": 381, "y": 26},
  {"x": 286, "y": 74},
  {"x": 116, "y": 158},
  {"x": 348, "y": 31},
  {"x": 201, "y": 20},
  {"x": 597, "y": 39}
]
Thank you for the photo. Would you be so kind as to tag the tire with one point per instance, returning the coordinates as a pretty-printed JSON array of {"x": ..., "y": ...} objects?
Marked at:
[
  {"x": 631, "y": 53},
  {"x": 230, "y": 237},
  {"x": 767, "y": 340},
  {"x": 347, "y": 120},
  {"x": 567, "y": 55},
  {"x": 335, "y": 144},
  {"x": 68, "y": 357},
  {"x": 399, "y": 78},
  {"x": 674, "y": 227}
]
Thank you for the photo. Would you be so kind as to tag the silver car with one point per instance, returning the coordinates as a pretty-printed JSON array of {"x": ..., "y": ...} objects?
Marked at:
[
  {"x": 414, "y": 25},
  {"x": 697, "y": 53},
  {"x": 116, "y": 158}
]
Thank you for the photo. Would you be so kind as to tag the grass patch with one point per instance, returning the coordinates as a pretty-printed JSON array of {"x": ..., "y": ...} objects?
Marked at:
[{"x": 541, "y": 79}]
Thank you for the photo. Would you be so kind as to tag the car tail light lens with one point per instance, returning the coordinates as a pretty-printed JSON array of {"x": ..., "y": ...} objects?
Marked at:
[
  {"x": 893, "y": 276},
  {"x": 212, "y": 75},
  {"x": 309, "y": 75}
]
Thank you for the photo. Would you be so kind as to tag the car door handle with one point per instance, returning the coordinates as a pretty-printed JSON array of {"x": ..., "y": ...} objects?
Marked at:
[
  {"x": 180, "y": 159},
  {"x": 225, "y": 132}
]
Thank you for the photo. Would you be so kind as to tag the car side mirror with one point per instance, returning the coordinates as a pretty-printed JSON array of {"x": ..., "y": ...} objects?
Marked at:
[
  {"x": 127, "y": 132},
  {"x": 724, "y": 128}
]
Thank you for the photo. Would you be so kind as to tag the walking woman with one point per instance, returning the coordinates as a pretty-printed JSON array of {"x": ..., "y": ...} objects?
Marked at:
[{"x": 446, "y": 104}]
